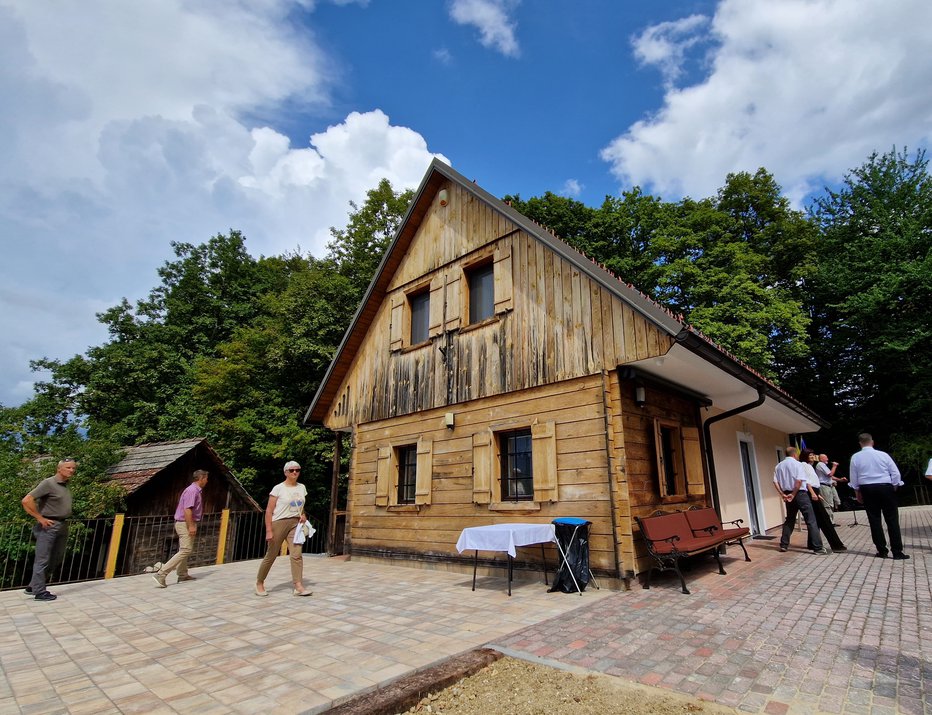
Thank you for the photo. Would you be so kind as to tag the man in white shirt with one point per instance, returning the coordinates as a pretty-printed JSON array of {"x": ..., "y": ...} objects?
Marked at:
[
  {"x": 789, "y": 479},
  {"x": 874, "y": 477}
]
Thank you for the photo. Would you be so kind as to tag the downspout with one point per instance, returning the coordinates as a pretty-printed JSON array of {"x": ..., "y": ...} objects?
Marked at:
[{"x": 707, "y": 437}]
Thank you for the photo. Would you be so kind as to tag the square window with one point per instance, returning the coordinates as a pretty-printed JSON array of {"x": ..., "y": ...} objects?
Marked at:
[
  {"x": 517, "y": 469},
  {"x": 420, "y": 316},
  {"x": 481, "y": 285},
  {"x": 407, "y": 473}
]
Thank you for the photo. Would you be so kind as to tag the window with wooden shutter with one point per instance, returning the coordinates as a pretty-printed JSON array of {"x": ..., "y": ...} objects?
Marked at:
[
  {"x": 383, "y": 473},
  {"x": 544, "y": 449},
  {"x": 482, "y": 467},
  {"x": 692, "y": 456},
  {"x": 425, "y": 468}
]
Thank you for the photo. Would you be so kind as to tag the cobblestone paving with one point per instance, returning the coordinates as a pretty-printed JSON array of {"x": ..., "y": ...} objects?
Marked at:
[{"x": 787, "y": 633}]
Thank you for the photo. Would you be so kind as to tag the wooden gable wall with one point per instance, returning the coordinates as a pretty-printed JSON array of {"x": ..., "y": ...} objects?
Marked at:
[{"x": 552, "y": 322}]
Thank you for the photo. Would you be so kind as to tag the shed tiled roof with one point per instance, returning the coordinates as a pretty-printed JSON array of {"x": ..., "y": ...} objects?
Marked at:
[{"x": 144, "y": 461}]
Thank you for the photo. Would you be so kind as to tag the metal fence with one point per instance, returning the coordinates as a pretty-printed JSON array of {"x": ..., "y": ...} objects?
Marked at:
[{"x": 124, "y": 546}]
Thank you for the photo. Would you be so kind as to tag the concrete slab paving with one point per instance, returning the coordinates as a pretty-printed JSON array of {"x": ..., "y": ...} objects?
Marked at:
[{"x": 212, "y": 646}]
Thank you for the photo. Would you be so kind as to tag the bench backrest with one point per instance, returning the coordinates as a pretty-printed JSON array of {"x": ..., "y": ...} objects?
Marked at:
[
  {"x": 657, "y": 528},
  {"x": 701, "y": 519}
]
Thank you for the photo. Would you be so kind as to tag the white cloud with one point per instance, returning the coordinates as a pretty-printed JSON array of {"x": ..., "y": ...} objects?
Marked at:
[
  {"x": 805, "y": 88},
  {"x": 572, "y": 188},
  {"x": 491, "y": 18},
  {"x": 443, "y": 56},
  {"x": 666, "y": 43},
  {"x": 129, "y": 131}
]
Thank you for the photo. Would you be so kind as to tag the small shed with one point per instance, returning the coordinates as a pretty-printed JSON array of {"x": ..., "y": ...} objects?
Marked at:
[{"x": 154, "y": 475}]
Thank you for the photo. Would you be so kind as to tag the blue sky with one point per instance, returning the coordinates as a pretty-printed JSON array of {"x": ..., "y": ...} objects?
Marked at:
[{"x": 126, "y": 125}]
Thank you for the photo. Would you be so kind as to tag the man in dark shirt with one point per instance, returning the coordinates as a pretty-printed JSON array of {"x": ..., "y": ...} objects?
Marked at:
[{"x": 50, "y": 505}]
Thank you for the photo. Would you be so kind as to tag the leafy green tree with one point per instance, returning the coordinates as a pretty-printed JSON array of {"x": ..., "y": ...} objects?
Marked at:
[
  {"x": 357, "y": 250},
  {"x": 871, "y": 300}
]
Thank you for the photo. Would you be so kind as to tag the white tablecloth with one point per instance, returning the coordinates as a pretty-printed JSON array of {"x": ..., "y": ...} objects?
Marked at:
[{"x": 504, "y": 537}]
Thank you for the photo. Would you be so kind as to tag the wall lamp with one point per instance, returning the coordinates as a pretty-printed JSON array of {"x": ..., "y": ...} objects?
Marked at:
[
  {"x": 444, "y": 197},
  {"x": 640, "y": 395}
]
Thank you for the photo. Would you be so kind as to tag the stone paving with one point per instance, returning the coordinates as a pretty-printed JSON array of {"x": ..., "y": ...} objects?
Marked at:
[{"x": 786, "y": 633}]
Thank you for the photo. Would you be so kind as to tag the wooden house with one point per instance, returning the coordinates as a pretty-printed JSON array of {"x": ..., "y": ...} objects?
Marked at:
[
  {"x": 153, "y": 476},
  {"x": 492, "y": 373}
]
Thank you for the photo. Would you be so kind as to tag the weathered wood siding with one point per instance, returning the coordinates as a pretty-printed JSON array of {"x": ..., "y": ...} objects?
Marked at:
[
  {"x": 552, "y": 323},
  {"x": 576, "y": 410}
]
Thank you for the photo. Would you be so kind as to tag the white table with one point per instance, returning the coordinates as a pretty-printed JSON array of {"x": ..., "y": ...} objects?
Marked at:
[{"x": 506, "y": 538}]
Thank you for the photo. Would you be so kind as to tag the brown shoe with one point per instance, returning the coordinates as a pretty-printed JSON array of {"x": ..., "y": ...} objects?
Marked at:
[{"x": 187, "y": 577}]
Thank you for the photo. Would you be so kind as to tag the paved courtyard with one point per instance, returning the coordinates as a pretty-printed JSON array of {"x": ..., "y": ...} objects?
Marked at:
[{"x": 786, "y": 633}]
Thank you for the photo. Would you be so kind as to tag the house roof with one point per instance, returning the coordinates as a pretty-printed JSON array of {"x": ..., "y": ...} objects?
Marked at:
[
  {"x": 736, "y": 383},
  {"x": 142, "y": 462}
]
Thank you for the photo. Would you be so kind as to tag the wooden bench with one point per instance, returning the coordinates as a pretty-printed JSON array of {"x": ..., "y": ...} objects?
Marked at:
[
  {"x": 704, "y": 521},
  {"x": 670, "y": 539}
]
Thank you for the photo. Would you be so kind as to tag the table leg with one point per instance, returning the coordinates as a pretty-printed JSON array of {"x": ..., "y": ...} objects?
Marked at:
[
  {"x": 475, "y": 563},
  {"x": 510, "y": 562},
  {"x": 543, "y": 558}
]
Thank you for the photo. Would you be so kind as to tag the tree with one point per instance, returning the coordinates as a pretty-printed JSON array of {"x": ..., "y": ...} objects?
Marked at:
[
  {"x": 137, "y": 385},
  {"x": 357, "y": 250},
  {"x": 871, "y": 298}
]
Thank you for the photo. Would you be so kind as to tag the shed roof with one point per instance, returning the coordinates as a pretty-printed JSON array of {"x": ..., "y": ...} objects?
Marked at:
[{"x": 143, "y": 462}]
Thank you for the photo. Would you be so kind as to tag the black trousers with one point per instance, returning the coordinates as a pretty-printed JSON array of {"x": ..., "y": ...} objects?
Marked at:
[
  {"x": 880, "y": 501},
  {"x": 825, "y": 525}
]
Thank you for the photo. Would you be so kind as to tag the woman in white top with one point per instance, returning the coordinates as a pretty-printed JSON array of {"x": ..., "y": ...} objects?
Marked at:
[
  {"x": 809, "y": 459},
  {"x": 283, "y": 514}
]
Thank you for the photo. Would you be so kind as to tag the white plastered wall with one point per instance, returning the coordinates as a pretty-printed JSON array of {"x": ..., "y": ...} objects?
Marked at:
[{"x": 764, "y": 443}]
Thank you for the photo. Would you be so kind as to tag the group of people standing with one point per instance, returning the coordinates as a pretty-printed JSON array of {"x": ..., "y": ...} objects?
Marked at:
[
  {"x": 50, "y": 504},
  {"x": 808, "y": 486},
  {"x": 804, "y": 480}
]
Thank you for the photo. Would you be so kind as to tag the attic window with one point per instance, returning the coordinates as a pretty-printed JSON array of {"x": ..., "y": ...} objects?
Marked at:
[
  {"x": 420, "y": 316},
  {"x": 480, "y": 281}
]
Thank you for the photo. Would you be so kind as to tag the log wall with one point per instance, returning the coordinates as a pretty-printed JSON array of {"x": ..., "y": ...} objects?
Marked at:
[{"x": 576, "y": 409}]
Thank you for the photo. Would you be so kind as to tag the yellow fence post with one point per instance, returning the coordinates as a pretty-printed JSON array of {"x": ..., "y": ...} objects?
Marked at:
[
  {"x": 114, "y": 549},
  {"x": 222, "y": 539}
]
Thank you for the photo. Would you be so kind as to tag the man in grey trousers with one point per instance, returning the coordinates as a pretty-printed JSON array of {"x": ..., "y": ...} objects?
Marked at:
[{"x": 50, "y": 505}]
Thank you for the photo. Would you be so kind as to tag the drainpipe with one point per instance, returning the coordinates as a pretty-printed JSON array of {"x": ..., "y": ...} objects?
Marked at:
[{"x": 707, "y": 436}]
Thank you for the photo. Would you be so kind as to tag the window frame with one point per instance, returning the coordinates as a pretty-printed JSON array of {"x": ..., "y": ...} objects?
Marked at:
[
  {"x": 405, "y": 458},
  {"x": 418, "y": 296},
  {"x": 506, "y": 458},
  {"x": 669, "y": 454},
  {"x": 486, "y": 268}
]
